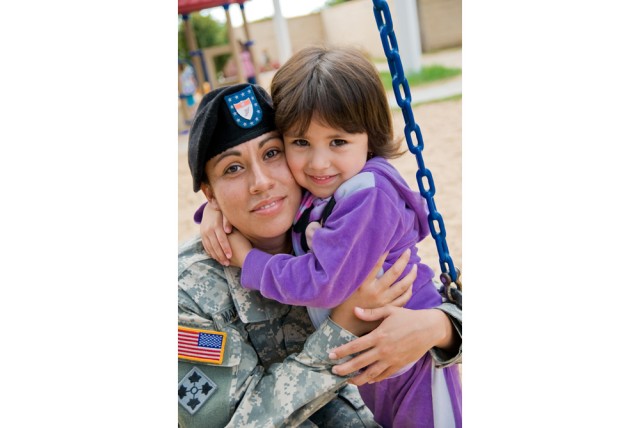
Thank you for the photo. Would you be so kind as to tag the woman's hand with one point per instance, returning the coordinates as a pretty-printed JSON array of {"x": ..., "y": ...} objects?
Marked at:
[
  {"x": 214, "y": 228},
  {"x": 376, "y": 292},
  {"x": 403, "y": 337}
]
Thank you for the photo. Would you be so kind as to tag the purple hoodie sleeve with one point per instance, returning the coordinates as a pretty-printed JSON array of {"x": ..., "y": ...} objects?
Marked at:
[
  {"x": 360, "y": 229},
  {"x": 197, "y": 216}
]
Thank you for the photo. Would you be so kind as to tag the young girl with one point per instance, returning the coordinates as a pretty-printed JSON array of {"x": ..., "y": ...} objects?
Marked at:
[{"x": 333, "y": 113}]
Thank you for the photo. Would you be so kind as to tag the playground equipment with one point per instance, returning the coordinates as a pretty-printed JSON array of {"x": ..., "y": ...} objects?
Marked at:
[
  {"x": 451, "y": 276},
  {"x": 202, "y": 60}
]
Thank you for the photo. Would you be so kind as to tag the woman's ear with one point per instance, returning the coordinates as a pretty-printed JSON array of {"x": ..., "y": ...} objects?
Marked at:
[{"x": 208, "y": 192}]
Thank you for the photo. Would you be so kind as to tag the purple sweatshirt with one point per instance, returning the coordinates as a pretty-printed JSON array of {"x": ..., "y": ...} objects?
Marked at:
[{"x": 375, "y": 212}]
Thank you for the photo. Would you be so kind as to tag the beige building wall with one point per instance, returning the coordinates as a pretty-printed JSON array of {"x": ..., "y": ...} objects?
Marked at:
[
  {"x": 353, "y": 23},
  {"x": 303, "y": 31},
  {"x": 306, "y": 30},
  {"x": 440, "y": 24},
  {"x": 264, "y": 37}
]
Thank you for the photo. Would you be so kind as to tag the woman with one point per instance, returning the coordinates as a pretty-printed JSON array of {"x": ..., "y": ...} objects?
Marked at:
[{"x": 254, "y": 375}]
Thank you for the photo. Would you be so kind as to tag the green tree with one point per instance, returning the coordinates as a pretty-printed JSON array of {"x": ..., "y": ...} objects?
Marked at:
[{"x": 208, "y": 32}]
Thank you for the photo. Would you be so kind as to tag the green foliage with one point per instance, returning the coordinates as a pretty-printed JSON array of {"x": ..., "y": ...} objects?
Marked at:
[
  {"x": 208, "y": 32},
  {"x": 426, "y": 75}
]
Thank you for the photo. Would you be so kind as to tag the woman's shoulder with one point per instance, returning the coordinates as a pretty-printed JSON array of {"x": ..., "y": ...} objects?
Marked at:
[{"x": 192, "y": 252}]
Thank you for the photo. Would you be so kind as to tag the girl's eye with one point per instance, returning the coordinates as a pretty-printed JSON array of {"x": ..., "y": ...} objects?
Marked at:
[
  {"x": 271, "y": 153},
  {"x": 338, "y": 143},
  {"x": 300, "y": 143}
]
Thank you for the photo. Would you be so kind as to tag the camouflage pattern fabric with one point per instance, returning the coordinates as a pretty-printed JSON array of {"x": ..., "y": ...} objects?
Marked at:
[
  {"x": 440, "y": 357},
  {"x": 269, "y": 375},
  {"x": 337, "y": 413}
]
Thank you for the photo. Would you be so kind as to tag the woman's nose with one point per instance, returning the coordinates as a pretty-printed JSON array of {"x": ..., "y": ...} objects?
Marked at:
[{"x": 262, "y": 180}]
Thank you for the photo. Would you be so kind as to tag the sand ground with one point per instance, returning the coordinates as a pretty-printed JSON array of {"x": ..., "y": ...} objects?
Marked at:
[{"x": 441, "y": 128}]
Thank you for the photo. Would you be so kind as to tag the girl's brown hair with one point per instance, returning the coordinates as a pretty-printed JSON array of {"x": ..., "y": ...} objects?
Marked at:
[{"x": 341, "y": 88}]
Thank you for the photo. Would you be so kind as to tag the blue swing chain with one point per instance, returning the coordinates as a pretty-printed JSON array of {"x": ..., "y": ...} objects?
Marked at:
[{"x": 450, "y": 277}]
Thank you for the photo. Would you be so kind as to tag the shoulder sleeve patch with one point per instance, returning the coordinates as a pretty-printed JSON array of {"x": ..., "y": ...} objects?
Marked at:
[
  {"x": 194, "y": 389},
  {"x": 205, "y": 346}
]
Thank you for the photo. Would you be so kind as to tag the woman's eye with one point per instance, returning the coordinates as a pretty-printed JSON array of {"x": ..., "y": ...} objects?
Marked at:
[
  {"x": 232, "y": 169},
  {"x": 338, "y": 143}
]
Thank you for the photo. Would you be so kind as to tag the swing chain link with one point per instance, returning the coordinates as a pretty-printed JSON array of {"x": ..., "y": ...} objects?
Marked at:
[
  {"x": 452, "y": 284},
  {"x": 452, "y": 289}
]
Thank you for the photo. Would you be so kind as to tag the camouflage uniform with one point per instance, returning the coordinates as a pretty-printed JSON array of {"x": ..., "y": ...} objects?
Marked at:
[
  {"x": 247, "y": 389},
  {"x": 275, "y": 369},
  {"x": 440, "y": 357}
]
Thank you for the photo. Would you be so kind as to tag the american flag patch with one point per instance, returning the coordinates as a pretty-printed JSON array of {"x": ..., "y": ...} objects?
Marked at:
[{"x": 205, "y": 346}]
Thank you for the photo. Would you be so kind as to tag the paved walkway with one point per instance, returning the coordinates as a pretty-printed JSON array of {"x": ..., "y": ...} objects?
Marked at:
[
  {"x": 431, "y": 92},
  {"x": 448, "y": 58},
  {"x": 437, "y": 90}
]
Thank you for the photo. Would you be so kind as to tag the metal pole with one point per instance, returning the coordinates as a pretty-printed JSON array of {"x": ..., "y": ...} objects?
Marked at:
[
  {"x": 282, "y": 33},
  {"x": 192, "y": 45},
  {"x": 234, "y": 45},
  {"x": 407, "y": 29},
  {"x": 247, "y": 37}
]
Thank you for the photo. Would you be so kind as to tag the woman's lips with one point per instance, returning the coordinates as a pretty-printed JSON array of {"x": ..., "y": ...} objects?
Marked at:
[{"x": 269, "y": 206}]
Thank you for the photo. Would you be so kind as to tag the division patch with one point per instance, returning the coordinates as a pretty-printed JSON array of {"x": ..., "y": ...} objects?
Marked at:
[{"x": 194, "y": 389}]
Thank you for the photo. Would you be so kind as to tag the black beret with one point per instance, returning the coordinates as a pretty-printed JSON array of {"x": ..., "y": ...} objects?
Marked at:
[{"x": 226, "y": 117}]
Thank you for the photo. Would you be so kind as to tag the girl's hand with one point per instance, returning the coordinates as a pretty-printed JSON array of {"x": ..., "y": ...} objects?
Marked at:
[
  {"x": 214, "y": 228},
  {"x": 374, "y": 293},
  {"x": 240, "y": 246},
  {"x": 310, "y": 231},
  {"x": 403, "y": 337}
]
